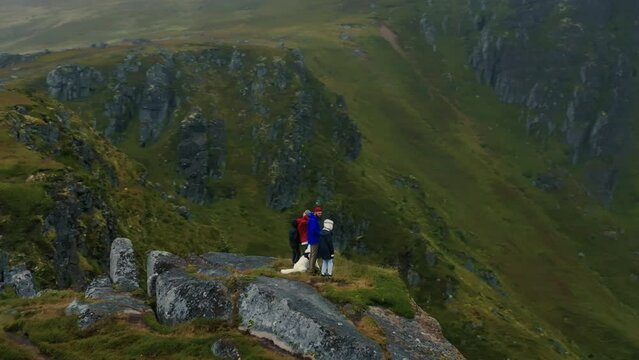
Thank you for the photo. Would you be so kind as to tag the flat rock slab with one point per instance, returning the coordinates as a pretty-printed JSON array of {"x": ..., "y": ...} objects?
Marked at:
[
  {"x": 238, "y": 262},
  {"x": 182, "y": 297},
  {"x": 420, "y": 338},
  {"x": 105, "y": 302},
  {"x": 298, "y": 319}
]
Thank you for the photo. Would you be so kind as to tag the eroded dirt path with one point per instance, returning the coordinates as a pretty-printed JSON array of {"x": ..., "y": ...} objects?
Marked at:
[{"x": 389, "y": 35}]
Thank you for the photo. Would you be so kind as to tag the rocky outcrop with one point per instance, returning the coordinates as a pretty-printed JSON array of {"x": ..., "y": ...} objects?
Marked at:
[
  {"x": 126, "y": 97},
  {"x": 52, "y": 135},
  {"x": 281, "y": 77},
  {"x": 21, "y": 280},
  {"x": 420, "y": 338},
  {"x": 201, "y": 154},
  {"x": 158, "y": 262},
  {"x": 181, "y": 297},
  {"x": 7, "y": 60},
  {"x": 296, "y": 318},
  {"x": 291, "y": 314},
  {"x": 105, "y": 302},
  {"x": 237, "y": 61},
  {"x": 72, "y": 82},
  {"x": 80, "y": 224},
  {"x": 123, "y": 270},
  {"x": 285, "y": 168},
  {"x": 37, "y": 134},
  {"x": 588, "y": 103},
  {"x": 156, "y": 102}
]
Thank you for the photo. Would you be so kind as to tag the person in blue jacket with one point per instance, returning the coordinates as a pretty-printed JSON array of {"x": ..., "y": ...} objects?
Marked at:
[{"x": 313, "y": 230}]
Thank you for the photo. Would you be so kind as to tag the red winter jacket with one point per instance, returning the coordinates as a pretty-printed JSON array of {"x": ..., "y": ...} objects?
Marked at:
[{"x": 301, "y": 228}]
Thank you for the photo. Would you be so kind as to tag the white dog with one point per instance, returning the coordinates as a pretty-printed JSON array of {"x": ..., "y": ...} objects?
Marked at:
[{"x": 301, "y": 265}]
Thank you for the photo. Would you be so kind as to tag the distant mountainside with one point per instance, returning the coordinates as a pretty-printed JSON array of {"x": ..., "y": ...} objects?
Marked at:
[{"x": 484, "y": 149}]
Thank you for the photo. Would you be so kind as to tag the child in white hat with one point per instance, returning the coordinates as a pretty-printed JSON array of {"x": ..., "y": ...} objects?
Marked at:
[{"x": 325, "y": 249}]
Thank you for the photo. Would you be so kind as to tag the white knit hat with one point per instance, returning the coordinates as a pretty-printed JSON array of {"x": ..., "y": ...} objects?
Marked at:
[{"x": 328, "y": 224}]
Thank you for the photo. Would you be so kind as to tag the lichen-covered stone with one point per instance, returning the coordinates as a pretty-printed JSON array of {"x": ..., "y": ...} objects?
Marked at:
[
  {"x": 420, "y": 338},
  {"x": 22, "y": 281},
  {"x": 181, "y": 297},
  {"x": 298, "y": 319},
  {"x": 158, "y": 262},
  {"x": 123, "y": 271},
  {"x": 225, "y": 349},
  {"x": 105, "y": 301}
]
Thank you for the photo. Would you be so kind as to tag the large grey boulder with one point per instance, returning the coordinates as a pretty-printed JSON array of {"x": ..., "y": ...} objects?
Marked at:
[
  {"x": 298, "y": 319},
  {"x": 420, "y": 338},
  {"x": 123, "y": 271},
  {"x": 71, "y": 82},
  {"x": 158, "y": 262},
  {"x": 105, "y": 302},
  {"x": 22, "y": 281},
  {"x": 181, "y": 297}
]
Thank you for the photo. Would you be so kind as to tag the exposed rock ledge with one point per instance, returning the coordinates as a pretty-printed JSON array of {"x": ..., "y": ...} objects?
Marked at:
[{"x": 292, "y": 314}]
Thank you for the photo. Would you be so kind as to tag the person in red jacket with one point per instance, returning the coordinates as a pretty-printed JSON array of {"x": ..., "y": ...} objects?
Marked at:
[{"x": 301, "y": 227}]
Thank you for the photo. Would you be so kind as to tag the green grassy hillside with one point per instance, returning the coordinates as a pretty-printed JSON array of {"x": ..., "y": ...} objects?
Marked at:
[{"x": 444, "y": 179}]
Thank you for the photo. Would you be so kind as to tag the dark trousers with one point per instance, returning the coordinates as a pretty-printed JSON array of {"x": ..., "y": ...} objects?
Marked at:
[{"x": 295, "y": 253}]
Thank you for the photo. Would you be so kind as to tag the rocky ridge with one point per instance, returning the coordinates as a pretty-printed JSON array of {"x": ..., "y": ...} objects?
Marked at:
[
  {"x": 79, "y": 223},
  {"x": 589, "y": 105},
  {"x": 290, "y": 313},
  {"x": 281, "y": 132}
]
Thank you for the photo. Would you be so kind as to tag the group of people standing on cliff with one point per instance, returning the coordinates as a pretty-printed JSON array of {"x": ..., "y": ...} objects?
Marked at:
[{"x": 311, "y": 239}]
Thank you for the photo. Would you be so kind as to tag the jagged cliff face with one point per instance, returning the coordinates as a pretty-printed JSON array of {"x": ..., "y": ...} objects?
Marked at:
[
  {"x": 275, "y": 102},
  {"x": 572, "y": 65}
]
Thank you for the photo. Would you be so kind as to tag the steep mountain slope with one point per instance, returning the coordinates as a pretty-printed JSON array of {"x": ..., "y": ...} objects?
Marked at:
[{"x": 495, "y": 230}]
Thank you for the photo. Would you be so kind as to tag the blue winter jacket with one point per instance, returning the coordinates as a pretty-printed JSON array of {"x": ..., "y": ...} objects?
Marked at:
[{"x": 313, "y": 230}]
